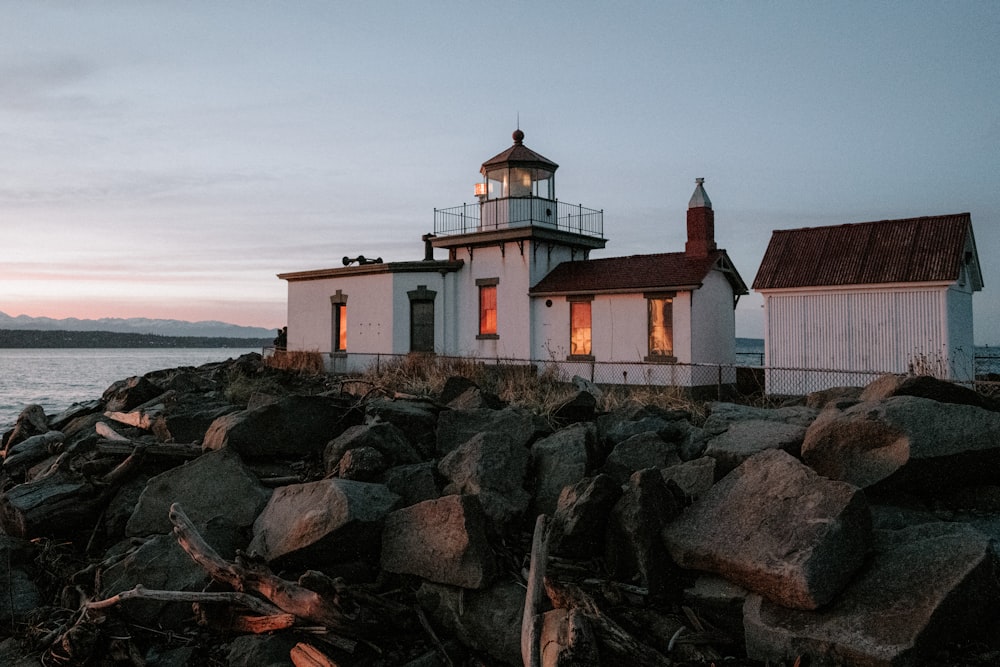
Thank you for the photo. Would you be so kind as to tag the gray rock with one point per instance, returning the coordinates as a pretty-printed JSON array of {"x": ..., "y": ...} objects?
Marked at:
[
  {"x": 581, "y": 516},
  {"x": 824, "y": 397},
  {"x": 583, "y": 384},
  {"x": 777, "y": 528},
  {"x": 363, "y": 464},
  {"x": 744, "y": 439},
  {"x": 694, "y": 478},
  {"x": 723, "y": 415},
  {"x": 493, "y": 466},
  {"x": 272, "y": 650},
  {"x": 925, "y": 585},
  {"x": 906, "y": 442},
  {"x": 413, "y": 483},
  {"x": 560, "y": 460},
  {"x": 322, "y": 523},
  {"x": 640, "y": 451},
  {"x": 456, "y": 427},
  {"x": 382, "y": 436},
  {"x": 926, "y": 386},
  {"x": 579, "y": 407},
  {"x": 488, "y": 620},
  {"x": 129, "y": 393},
  {"x": 18, "y": 593},
  {"x": 633, "y": 538},
  {"x": 415, "y": 418},
  {"x": 31, "y": 421},
  {"x": 295, "y": 426},
  {"x": 461, "y": 393},
  {"x": 216, "y": 484},
  {"x": 441, "y": 540}
]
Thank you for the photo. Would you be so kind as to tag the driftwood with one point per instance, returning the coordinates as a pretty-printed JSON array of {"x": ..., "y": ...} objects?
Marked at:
[
  {"x": 531, "y": 620},
  {"x": 164, "y": 450},
  {"x": 28, "y": 452},
  {"x": 306, "y": 655},
  {"x": 337, "y": 608}
]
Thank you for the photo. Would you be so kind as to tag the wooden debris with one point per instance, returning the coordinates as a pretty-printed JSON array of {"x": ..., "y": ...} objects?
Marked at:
[
  {"x": 531, "y": 621},
  {"x": 306, "y": 655}
]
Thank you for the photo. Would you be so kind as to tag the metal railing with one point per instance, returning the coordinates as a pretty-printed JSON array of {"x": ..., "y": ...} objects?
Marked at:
[{"x": 513, "y": 212}]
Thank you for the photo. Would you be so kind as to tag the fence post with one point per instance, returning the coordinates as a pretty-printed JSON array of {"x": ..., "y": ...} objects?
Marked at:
[{"x": 718, "y": 386}]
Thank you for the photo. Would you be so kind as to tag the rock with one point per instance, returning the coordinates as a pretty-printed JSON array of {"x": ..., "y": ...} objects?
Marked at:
[
  {"x": 824, "y": 397},
  {"x": 614, "y": 430},
  {"x": 720, "y": 601},
  {"x": 577, "y": 408},
  {"x": 364, "y": 464},
  {"x": 159, "y": 563},
  {"x": 744, "y": 439},
  {"x": 693, "y": 478},
  {"x": 906, "y": 442},
  {"x": 492, "y": 466},
  {"x": 488, "y": 620},
  {"x": 633, "y": 536},
  {"x": 456, "y": 427},
  {"x": 925, "y": 585},
  {"x": 776, "y": 528},
  {"x": 413, "y": 483},
  {"x": 382, "y": 436},
  {"x": 124, "y": 395},
  {"x": 270, "y": 650},
  {"x": 461, "y": 393},
  {"x": 581, "y": 517},
  {"x": 415, "y": 418},
  {"x": 724, "y": 415},
  {"x": 216, "y": 484},
  {"x": 583, "y": 384},
  {"x": 295, "y": 426},
  {"x": 325, "y": 522},
  {"x": 926, "y": 386},
  {"x": 441, "y": 540},
  {"x": 560, "y": 460},
  {"x": 19, "y": 596},
  {"x": 640, "y": 451}
]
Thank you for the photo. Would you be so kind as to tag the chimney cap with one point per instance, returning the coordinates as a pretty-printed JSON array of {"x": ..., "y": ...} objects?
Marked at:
[{"x": 700, "y": 198}]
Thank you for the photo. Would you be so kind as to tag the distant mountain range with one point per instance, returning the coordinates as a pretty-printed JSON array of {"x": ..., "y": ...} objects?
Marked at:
[{"x": 136, "y": 325}]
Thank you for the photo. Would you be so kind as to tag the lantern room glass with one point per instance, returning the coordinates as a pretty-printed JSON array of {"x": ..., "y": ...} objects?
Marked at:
[{"x": 520, "y": 182}]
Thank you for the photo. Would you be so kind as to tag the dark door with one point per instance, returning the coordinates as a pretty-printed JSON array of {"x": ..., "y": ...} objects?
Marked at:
[{"x": 421, "y": 326}]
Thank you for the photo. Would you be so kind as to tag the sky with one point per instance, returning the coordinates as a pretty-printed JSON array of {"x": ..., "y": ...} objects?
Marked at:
[{"x": 168, "y": 159}]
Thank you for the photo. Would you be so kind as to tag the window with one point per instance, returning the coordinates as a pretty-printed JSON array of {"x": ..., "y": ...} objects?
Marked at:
[
  {"x": 487, "y": 307},
  {"x": 579, "y": 328},
  {"x": 338, "y": 302},
  {"x": 661, "y": 328}
]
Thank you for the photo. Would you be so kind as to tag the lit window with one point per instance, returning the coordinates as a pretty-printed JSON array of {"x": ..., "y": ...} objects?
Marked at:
[
  {"x": 661, "y": 327},
  {"x": 579, "y": 328},
  {"x": 340, "y": 327},
  {"x": 487, "y": 310}
]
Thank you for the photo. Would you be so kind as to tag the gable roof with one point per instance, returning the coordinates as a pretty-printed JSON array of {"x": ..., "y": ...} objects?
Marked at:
[
  {"x": 926, "y": 249},
  {"x": 637, "y": 273}
]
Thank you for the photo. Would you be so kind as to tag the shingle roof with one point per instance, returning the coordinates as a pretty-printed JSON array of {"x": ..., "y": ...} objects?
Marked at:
[
  {"x": 519, "y": 155},
  {"x": 927, "y": 249},
  {"x": 637, "y": 273}
]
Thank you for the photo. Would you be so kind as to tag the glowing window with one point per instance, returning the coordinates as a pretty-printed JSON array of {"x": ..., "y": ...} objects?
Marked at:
[
  {"x": 487, "y": 309},
  {"x": 340, "y": 327},
  {"x": 661, "y": 327},
  {"x": 579, "y": 328}
]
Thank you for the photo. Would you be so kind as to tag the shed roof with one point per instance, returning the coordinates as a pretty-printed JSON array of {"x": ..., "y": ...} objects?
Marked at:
[
  {"x": 926, "y": 249},
  {"x": 637, "y": 273}
]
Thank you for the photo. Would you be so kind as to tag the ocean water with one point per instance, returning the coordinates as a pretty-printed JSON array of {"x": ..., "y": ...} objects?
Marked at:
[{"x": 57, "y": 378}]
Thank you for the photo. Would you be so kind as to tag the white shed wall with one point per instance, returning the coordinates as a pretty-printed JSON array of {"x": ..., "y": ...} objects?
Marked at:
[
  {"x": 713, "y": 319},
  {"x": 960, "y": 334},
  {"x": 369, "y": 322}
]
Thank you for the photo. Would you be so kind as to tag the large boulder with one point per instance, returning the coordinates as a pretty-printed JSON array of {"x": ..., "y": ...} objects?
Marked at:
[
  {"x": 926, "y": 586},
  {"x": 417, "y": 419},
  {"x": 216, "y": 484},
  {"x": 456, "y": 427},
  {"x": 777, "y": 528},
  {"x": 485, "y": 620},
  {"x": 413, "y": 483},
  {"x": 441, "y": 540},
  {"x": 905, "y": 442},
  {"x": 693, "y": 478},
  {"x": 295, "y": 426},
  {"x": 323, "y": 523},
  {"x": 492, "y": 466},
  {"x": 744, "y": 439},
  {"x": 723, "y": 415},
  {"x": 560, "y": 460},
  {"x": 638, "y": 452},
  {"x": 129, "y": 393},
  {"x": 926, "y": 386},
  {"x": 382, "y": 436},
  {"x": 581, "y": 517}
]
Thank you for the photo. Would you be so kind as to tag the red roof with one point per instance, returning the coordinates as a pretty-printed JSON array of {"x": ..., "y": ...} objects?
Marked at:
[
  {"x": 927, "y": 249},
  {"x": 638, "y": 273}
]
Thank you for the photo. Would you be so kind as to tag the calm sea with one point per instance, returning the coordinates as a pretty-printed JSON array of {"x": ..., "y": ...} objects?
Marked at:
[{"x": 55, "y": 379}]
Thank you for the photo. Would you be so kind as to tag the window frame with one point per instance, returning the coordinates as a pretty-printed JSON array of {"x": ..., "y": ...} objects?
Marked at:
[
  {"x": 338, "y": 325},
  {"x": 488, "y": 286},
  {"x": 576, "y": 303},
  {"x": 668, "y": 325}
]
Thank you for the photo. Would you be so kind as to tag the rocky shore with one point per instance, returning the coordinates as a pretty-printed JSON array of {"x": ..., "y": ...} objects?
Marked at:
[{"x": 235, "y": 514}]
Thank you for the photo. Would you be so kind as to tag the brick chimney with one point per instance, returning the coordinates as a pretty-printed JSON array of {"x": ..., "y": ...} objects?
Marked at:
[{"x": 701, "y": 223}]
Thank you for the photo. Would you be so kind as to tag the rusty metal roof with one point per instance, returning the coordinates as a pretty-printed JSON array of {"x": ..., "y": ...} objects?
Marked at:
[
  {"x": 927, "y": 249},
  {"x": 519, "y": 155},
  {"x": 637, "y": 273}
]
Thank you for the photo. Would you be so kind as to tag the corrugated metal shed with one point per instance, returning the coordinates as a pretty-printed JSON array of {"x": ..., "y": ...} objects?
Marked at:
[
  {"x": 637, "y": 273},
  {"x": 927, "y": 249}
]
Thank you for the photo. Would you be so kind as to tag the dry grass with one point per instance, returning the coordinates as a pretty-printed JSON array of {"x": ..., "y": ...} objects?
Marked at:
[{"x": 305, "y": 362}]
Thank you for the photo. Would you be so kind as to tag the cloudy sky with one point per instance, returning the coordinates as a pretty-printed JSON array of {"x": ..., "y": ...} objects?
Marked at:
[{"x": 167, "y": 159}]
